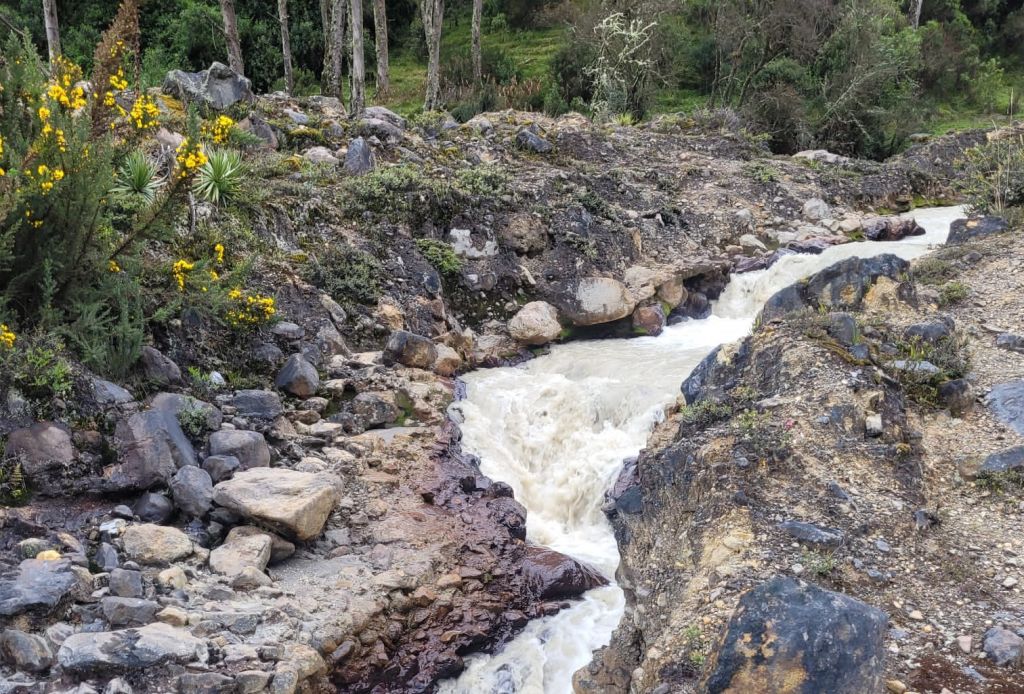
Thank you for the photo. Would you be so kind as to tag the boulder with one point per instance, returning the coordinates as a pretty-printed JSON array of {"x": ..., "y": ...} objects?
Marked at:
[
  {"x": 192, "y": 490},
  {"x": 249, "y": 447},
  {"x": 320, "y": 155},
  {"x": 255, "y": 125},
  {"x": 179, "y": 406},
  {"x": 1011, "y": 342},
  {"x": 217, "y": 87},
  {"x": 1006, "y": 460},
  {"x": 791, "y": 636},
  {"x": 1006, "y": 401},
  {"x": 107, "y": 393},
  {"x": 123, "y": 612},
  {"x": 261, "y": 404},
  {"x": 26, "y": 652},
  {"x": 151, "y": 447},
  {"x": 374, "y": 410},
  {"x": 297, "y": 504},
  {"x": 536, "y": 323},
  {"x": 649, "y": 320},
  {"x": 552, "y": 575},
  {"x": 641, "y": 281},
  {"x": 672, "y": 292},
  {"x": 1003, "y": 647},
  {"x": 891, "y": 228},
  {"x": 599, "y": 300},
  {"x": 153, "y": 508},
  {"x": 359, "y": 158},
  {"x": 448, "y": 361},
  {"x": 379, "y": 128},
  {"x": 816, "y": 209},
  {"x": 524, "y": 233},
  {"x": 42, "y": 448},
  {"x": 531, "y": 141},
  {"x": 158, "y": 368},
  {"x": 149, "y": 646},
  {"x": 298, "y": 377},
  {"x": 124, "y": 583},
  {"x": 221, "y": 467},
  {"x": 965, "y": 230},
  {"x": 156, "y": 544},
  {"x": 958, "y": 396},
  {"x": 409, "y": 349},
  {"x": 280, "y": 548},
  {"x": 384, "y": 114},
  {"x": 39, "y": 585},
  {"x": 241, "y": 549}
]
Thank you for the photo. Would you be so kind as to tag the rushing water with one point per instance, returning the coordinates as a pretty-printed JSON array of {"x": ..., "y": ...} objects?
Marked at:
[{"x": 558, "y": 428}]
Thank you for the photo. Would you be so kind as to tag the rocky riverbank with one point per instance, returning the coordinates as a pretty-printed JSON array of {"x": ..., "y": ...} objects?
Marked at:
[{"x": 834, "y": 505}]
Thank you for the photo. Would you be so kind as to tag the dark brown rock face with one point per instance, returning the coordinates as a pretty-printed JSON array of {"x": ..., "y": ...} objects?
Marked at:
[{"x": 551, "y": 574}]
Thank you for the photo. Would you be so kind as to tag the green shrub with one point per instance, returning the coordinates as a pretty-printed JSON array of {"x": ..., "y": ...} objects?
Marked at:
[
  {"x": 994, "y": 179},
  {"x": 486, "y": 180},
  {"x": 220, "y": 177},
  {"x": 441, "y": 255},
  {"x": 953, "y": 293},
  {"x": 137, "y": 176},
  {"x": 705, "y": 413},
  {"x": 348, "y": 275}
]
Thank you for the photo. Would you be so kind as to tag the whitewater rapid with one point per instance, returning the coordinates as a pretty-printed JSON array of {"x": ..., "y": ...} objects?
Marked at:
[{"x": 558, "y": 428}]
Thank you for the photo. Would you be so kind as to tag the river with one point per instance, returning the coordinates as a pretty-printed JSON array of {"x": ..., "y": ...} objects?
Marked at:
[{"x": 558, "y": 428}]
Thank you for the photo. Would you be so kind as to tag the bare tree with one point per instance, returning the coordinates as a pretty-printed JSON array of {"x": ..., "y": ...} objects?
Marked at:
[
  {"x": 432, "y": 12},
  {"x": 52, "y": 28},
  {"x": 358, "y": 97},
  {"x": 380, "y": 26},
  {"x": 227, "y": 10},
  {"x": 478, "y": 69},
  {"x": 915, "y": 13},
  {"x": 286, "y": 45},
  {"x": 335, "y": 19}
]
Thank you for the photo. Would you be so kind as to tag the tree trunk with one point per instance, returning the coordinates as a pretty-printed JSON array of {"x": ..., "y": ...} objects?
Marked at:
[
  {"x": 915, "y": 13},
  {"x": 227, "y": 10},
  {"x": 52, "y": 28},
  {"x": 334, "y": 45},
  {"x": 286, "y": 45},
  {"x": 358, "y": 99},
  {"x": 478, "y": 69},
  {"x": 380, "y": 26},
  {"x": 432, "y": 12}
]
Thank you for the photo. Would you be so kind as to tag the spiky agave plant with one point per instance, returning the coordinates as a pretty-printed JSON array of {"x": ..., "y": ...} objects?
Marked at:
[
  {"x": 137, "y": 177},
  {"x": 220, "y": 177}
]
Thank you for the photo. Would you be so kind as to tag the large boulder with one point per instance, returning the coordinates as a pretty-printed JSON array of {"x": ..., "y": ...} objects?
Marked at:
[
  {"x": 298, "y": 377},
  {"x": 536, "y": 323},
  {"x": 149, "y": 646},
  {"x": 1007, "y": 460},
  {"x": 359, "y": 157},
  {"x": 599, "y": 300},
  {"x": 891, "y": 228},
  {"x": 409, "y": 349},
  {"x": 788, "y": 636},
  {"x": 552, "y": 575},
  {"x": 964, "y": 230},
  {"x": 297, "y": 504},
  {"x": 217, "y": 87},
  {"x": 816, "y": 209},
  {"x": 649, "y": 320},
  {"x": 249, "y": 447},
  {"x": 158, "y": 368},
  {"x": 27, "y": 652},
  {"x": 38, "y": 585},
  {"x": 156, "y": 544},
  {"x": 183, "y": 407},
  {"x": 242, "y": 549},
  {"x": 384, "y": 114},
  {"x": 192, "y": 489},
  {"x": 261, "y": 404},
  {"x": 151, "y": 447},
  {"x": 1006, "y": 400},
  {"x": 42, "y": 448}
]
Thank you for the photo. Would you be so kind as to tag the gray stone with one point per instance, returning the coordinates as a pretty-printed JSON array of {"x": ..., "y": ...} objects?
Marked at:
[
  {"x": 812, "y": 534},
  {"x": 262, "y": 404},
  {"x": 118, "y": 686},
  {"x": 359, "y": 158},
  {"x": 1007, "y": 460},
  {"x": 930, "y": 332},
  {"x": 42, "y": 448},
  {"x": 158, "y": 368},
  {"x": 107, "y": 393},
  {"x": 192, "y": 489},
  {"x": 288, "y": 330},
  {"x": 381, "y": 113},
  {"x": 816, "y": 209},
  {"x": 249, "y": 447},
  {"x": 297, "y": 117},
  {"x": 124, "y": 583},
  {"x": 1011, "y": 342},
  {"x": 784, "y": 631},
  {"x": 26, "y": 652},
  {"x": 1003, "y": 647},
  {"x": 149, "y": 646},
  {"x": 296, "y": 504},
  {"x": 241, "y": 549},
  {"x": 153, "y": 508},
  {"x": 179, "y": 406},
  {"x": 382, "y": 129},
  {"x": 536, "y": 323},
  {"x": 531, "y": 141},
  {"x": 217, "y": 87},
  {"x": 298, "y": 377},
  {"x": 374, "y": 410},
  {"x": 221, "y": 467},
  {"x": 206, "y": 683},
  {"x": 106, "y": 557},
  {"x": 409, "y": 349},
  {"x": 128, "y": 611},
  {"x": 1006, "y": 401},
  {"x": 151, "y": 447},
  {"x": 156, "y": 544},
  {"x": 922, "y": 367},
  {"x": 39, "y": 585}
]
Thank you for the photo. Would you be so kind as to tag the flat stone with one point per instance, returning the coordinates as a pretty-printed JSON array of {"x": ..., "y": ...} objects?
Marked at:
[
  {"x": 26, "y": 652},
  {"x": 1006, "y": 401},
  {"x": 241, "y": 550},
  {"x": 156, "y": 544},
  {"x": 1003, "y": 461},
  {"x": 121, "y": 612},
  {"x": 296, "y": 504},
  {"x": 249, "y": 447},
  {"x": 261, "y": 404},
  {"x": 149, "y": 646},
  {"x": 39, "y": 585},
  {"x": 812, "y": 534},
  {"x": 125, "y": 583}
]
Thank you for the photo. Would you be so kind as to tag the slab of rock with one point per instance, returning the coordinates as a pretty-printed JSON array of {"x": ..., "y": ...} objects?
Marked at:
[
  {"x": 41, "y": 448},
  {"x": 529, "y": 140},
  {"x": 175, "y": 404},
  {"x": 387, "y": 115},
  {"x": 280, "y": 548},
  {"x": 159, "y": 368},
  {"x": 812, "y": 534},
  {"x": 1006, "y": 401},
  {"x": 359, "y": 158},
  {"x": 298, "y": 377},
  {"x": 217, "y": 87},
  {"x": 26, "y": 652},
  {"x": 374, "y": 410},
  {"x": 599, "y": 300},
  {"x": 151, "y": 447},
  {"x": 107, "y": 393},
  {"x": 552, "y": 575},
  {"x": 536, "y": 323},
  {"x": 156, "y": 544},
  {"x": 149, "y": 646},
  {"x": 242, "y": 548},
  {"x": 1003, "y": 647},
  {"x": 261, "y": 404},
  {"x": 791, "y": 636},
  {"x": 297, "y": 504},
  {"x": 39, "y": 585},
  {"x": 1011, "y": 342},
  {"x": 964, "y": 230},
  {"x": 249, "y": 447},
  {"x": 1006, "y": 460},
  {"x": 409, "y": 349},
  {"x": 192, "y": 489},
  {"x": 123, "y": 612}
]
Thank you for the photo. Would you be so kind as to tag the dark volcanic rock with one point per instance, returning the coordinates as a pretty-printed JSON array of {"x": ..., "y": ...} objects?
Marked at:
[
  {"x": 217, "y": 87},
  {"x": 1003, "y": 461},
  {"x": 891, "y": 228},
  {"x": 38, "y": 585},
  {"x": 153, "y": 508},
  {"x": 298, "y": 377},
  {"x": 261, "y": 404},
  {"x": 192, "y": 489},
  {"x": 795, "y": 637},
  {"x": 552, "y": 575},
  {"x": 529, "y": 140},
  {"x": 42, "y": 448},
  {"x": 812, "y": 534},
  {"x": 1006, "y": 401},
  {"x": 1013, "y": 343},
  {"x": 963, "y": 230},
  {"x": 151, "y": 447},
  {"x": 1003, "y": 646},
  {"x": 158, "y": 368}
]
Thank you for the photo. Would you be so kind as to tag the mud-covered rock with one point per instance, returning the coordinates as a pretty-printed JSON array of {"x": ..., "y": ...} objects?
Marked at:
[{"x": 792, "y": 636}]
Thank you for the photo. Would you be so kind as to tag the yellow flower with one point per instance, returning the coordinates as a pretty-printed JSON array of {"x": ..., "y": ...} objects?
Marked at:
[
  {"x": 7, "y": 337},
  {"x": 112, "y": 266},
  {"x": 218, "y": 252},
  {"x": 44, "y": 113},
  {"x": 179, "y": 270}
]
